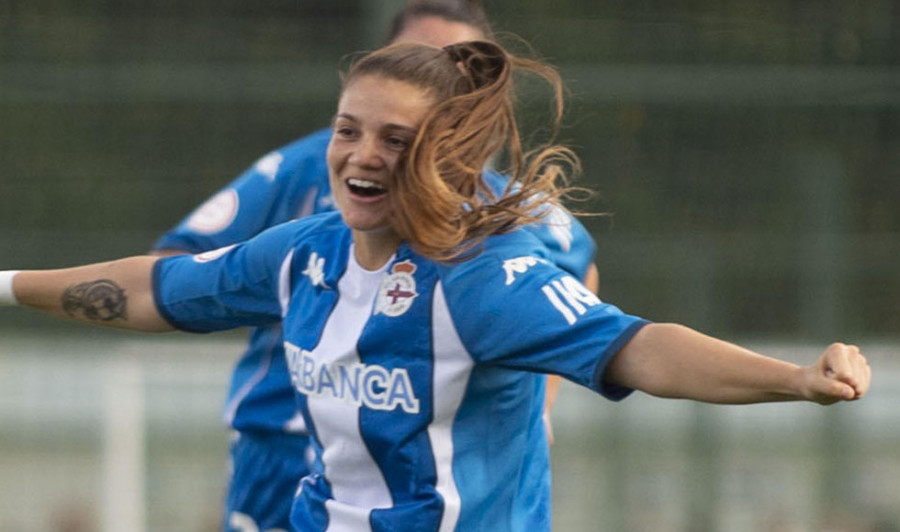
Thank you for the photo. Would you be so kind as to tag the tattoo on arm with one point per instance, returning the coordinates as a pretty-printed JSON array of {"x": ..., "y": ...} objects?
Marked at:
[{"x": 101, "y": 300}]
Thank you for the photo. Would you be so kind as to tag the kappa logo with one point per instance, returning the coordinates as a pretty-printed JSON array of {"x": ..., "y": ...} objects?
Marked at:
[
  {"x": 315, "y": 270},
  {"x": 519, "y": 265},
  {"x": 397, "y": 290}
]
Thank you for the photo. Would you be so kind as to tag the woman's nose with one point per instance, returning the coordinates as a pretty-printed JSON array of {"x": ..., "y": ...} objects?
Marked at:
[{"x": 366, "y": 154}]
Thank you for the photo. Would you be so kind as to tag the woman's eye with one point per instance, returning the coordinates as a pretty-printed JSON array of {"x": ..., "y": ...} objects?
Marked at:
[
  {"x": 345, "y": 132},
  {"x": 397, "y": 142}
]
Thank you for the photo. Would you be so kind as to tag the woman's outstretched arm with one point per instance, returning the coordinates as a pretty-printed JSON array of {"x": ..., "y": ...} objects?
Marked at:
[
  {"x": 674, "y": 361},
  {"x": 112, "y": 294}
]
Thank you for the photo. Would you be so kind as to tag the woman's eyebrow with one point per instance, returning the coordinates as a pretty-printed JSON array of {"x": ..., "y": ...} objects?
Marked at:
[
  {"x": 391, "y": 125},
  {"x": 345, "y": 116},
  {"x": 409, "y": 129}
]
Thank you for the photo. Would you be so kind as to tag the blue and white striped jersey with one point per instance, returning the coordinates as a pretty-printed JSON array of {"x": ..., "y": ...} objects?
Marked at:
[
  {"x": 292, "y": 183},
  {"x": 419, "y": 382}
]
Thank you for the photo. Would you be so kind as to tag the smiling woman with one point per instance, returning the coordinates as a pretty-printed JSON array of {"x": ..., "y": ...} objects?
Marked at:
[
  {"x": 415, "y": 127},
  {"x": 418, "y": 322}
]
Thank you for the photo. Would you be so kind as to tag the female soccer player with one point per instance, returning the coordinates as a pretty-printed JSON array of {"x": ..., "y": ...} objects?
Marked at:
[
  {"x": 268, "y": 451},
  {"x": 416, "y": 321}
]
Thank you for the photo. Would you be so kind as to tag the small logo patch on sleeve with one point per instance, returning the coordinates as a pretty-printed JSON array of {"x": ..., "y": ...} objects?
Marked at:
[{"x": 216, "y": 214}]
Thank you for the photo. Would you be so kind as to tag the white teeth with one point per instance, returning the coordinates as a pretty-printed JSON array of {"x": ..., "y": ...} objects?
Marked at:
[{"x": 364, "y": 183}]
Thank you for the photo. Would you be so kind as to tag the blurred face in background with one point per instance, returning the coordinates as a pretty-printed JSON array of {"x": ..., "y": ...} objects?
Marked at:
[{"x": 438, "y": 32}]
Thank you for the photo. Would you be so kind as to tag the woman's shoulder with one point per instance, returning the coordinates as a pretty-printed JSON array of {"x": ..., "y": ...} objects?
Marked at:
[
  {"x": 495, "y": 258},
  {"x": 513, "y": 244},
  {"x": 316, "y": 227}
]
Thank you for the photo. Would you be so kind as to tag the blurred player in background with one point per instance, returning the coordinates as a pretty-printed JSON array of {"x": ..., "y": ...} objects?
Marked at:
[
  {"x": 418, "y": 320},
  {"x": 270, "y": 448}
]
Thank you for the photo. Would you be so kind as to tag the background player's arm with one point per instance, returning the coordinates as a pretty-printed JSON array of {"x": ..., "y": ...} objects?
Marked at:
[
  {"x": 674, "y": 361},
  {"x": 112, "y": 294}
]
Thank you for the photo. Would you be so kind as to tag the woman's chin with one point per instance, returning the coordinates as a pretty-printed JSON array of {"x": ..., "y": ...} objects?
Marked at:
[{"x": 366, "y": 224}]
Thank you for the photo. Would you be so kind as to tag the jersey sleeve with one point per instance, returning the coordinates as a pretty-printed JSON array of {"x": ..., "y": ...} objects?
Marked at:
[
  {"x": 524, "y": 312},
  {"x": 568, "y": 242},
  {"x": 279, "y": 187},
  {"x": 238, "y": 285}
]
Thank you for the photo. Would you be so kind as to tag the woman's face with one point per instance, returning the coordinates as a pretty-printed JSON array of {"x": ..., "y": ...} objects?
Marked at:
[{"x": 375, "y": 125}]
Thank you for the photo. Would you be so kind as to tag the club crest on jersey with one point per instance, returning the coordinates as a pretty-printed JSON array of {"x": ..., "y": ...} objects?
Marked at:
[{"x": 397, "y": 290}]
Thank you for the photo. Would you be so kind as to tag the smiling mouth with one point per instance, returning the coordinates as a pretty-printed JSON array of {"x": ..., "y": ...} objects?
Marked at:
[{"x": 365, "y": 188}]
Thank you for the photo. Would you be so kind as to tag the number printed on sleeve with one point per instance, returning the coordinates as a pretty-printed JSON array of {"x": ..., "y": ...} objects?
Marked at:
[{"x": 569, "y": 297}]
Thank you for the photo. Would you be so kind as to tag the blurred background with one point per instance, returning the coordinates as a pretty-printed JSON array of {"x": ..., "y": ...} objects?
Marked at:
[{"x": 748, "y": 154}]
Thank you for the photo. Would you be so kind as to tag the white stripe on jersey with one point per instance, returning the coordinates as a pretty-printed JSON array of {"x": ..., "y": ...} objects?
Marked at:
[
  {"x": 346, "y": 517},
  {"x": 296, "y": 424},
  {"x": 355, "y": 479},
  {"x": 451, "y": 376},
  {"x": 284, "y": 283}
]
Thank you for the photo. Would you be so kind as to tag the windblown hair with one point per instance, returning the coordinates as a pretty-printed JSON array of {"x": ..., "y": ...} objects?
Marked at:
[
  {"x": 442, "y": 205},
  {"x": 468, "y": 12}
]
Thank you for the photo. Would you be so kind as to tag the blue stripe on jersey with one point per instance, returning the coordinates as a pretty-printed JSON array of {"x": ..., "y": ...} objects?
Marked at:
[
  {"x": 409, "y": 470},
  {"x": 491, "y": 442},
  {"x": 309, "y": 513}
]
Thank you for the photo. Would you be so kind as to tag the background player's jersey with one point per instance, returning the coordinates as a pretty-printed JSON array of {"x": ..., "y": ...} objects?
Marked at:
[
  {"x": 292, "y": 183},
  {"x": 415, "y": 380}
]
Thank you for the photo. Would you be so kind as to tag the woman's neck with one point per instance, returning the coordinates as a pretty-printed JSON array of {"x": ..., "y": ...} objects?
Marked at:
[{"x": 374, "y": 248}]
